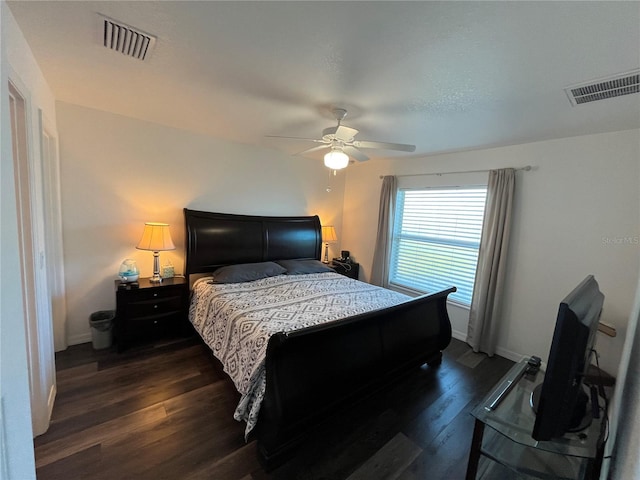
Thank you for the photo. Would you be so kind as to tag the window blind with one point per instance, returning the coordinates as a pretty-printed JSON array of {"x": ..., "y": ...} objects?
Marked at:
[{"x": 436, "y": 238}]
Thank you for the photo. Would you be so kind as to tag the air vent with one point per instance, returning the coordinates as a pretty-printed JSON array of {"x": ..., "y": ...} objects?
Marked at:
[
  {"x": 623, "y": 84},
  {"x": 127, "y": 40}
]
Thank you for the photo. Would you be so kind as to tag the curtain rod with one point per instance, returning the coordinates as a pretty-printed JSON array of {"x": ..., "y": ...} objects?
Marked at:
[{"x": 526, "y": 169}]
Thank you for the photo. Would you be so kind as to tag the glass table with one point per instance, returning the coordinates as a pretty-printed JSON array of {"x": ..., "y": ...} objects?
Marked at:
[{"x": 507, "y": 450}]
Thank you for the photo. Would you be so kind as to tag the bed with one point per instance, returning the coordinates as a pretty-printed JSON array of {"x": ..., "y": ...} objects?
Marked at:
[{"x": 309, "y": 373}]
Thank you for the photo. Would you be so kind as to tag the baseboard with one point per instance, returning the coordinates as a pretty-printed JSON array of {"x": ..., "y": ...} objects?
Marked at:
[
  {"x": 41, "y": 419},
  {"x": 509, "y": 355},
  {"x": 503, "y": 352},
  {"x": 459, "y": 335},
  {"x": 50, "y": 401},
  {"x": 78, "y": 339}
]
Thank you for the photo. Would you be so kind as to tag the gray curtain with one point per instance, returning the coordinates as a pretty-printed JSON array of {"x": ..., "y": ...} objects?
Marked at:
[
  {"x": 486, "y": 303},
  {"x": 380, "y": 267}
]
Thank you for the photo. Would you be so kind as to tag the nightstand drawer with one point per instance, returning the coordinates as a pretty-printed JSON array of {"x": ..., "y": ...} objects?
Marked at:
[
  {"x": 152, "y": 326},
  {"x": 144, "y": 294},
  {"x": 154, "y": 306}
]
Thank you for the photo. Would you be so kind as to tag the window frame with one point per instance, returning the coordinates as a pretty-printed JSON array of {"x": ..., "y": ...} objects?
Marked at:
[{"x": 475, "y": 184}]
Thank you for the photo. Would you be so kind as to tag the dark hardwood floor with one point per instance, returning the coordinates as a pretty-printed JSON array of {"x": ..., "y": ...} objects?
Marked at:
[{"x": 166, "y": 412}]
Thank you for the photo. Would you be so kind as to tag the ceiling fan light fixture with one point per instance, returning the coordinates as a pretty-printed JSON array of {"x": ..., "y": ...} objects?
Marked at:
[{"x": 336, "y": 159}]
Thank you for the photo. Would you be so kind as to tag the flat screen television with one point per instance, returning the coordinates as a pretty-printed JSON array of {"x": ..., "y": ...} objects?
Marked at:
[{"x": 560, "y": 401}]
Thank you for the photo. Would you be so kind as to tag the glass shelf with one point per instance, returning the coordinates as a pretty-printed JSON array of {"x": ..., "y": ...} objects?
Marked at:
[
  {"x": 511, "y": 452},
  {"x": 530, "y": 462}
]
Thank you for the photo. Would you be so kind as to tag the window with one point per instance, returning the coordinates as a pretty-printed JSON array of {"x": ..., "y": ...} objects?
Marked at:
[{"x": 436, "y": 238}]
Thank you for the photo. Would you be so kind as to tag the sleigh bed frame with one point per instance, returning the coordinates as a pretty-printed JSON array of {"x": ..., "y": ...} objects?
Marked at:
[{"x": 317, "y": 371}]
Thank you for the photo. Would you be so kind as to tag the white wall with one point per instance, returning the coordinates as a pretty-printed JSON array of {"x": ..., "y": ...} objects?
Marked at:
[
  {"x": 117, "y": 173},
  {"x": 26, "y": 76},
  {"x": 575, "y": 214},
  {"x": 16, "y": 445},
  {"x": 624, "y": 437}
]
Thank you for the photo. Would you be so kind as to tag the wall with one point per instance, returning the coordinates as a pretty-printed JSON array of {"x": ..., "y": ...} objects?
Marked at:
[
  {"x": 117, "y": 173},
  {"x": 576, "y": 213},
  {"x": 624, "y": 437},
  {"x": 16, "y": 446},
  {"x": 26, "y": 76}
]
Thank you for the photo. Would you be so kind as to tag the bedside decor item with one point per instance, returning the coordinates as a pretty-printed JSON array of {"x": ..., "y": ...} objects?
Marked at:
[
  {"x": 156, "y": 237},
  {"x": 328, "y": 235},
  {"x": 167, "y": 270},
  {"x": 128, "y": 271}
]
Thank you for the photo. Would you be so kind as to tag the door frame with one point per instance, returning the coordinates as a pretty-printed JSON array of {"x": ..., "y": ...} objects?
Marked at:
[{"x": 31, "y": 239}]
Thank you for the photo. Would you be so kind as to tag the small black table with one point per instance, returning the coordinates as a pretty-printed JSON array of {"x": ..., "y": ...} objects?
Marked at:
[
  {"x": 351, "y": 270},
  {"x": 147, "y": 311}
]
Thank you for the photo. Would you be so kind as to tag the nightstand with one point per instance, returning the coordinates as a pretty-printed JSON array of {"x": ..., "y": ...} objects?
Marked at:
[
  {"x": 351, "y": 270},
  {"x": 150, "y": 311}
]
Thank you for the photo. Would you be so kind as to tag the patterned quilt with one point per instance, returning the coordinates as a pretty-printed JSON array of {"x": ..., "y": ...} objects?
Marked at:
[{"x": 236, "y": 320}]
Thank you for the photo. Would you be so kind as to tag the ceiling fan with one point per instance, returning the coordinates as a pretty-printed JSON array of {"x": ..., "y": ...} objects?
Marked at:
[{"x": 342, "y": 144}]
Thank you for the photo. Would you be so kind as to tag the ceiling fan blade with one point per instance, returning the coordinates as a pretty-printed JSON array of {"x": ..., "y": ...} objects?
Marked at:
[
  {"x": 345, "y": 133},
  {"x": 296, "y": 138},
  {"x": 355, "y": 153},
  {"x": 385, "y": 146},
  {"x": 313, "y": 149}
]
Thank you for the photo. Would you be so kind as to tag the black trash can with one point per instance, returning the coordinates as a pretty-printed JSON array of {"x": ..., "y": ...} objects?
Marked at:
[{"x": 101, "y": 324}]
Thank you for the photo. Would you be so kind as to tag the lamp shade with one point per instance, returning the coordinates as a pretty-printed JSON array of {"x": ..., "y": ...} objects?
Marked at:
[
  {"x": 329, "y": 234},
  {"x": 156, "y": 237},
  {"x": 336, "y": 159}
]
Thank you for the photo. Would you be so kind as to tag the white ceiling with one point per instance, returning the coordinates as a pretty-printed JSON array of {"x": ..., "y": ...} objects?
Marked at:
[{"x": 444, "y": 76}]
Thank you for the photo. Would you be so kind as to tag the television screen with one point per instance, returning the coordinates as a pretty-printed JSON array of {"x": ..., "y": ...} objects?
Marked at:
[{"x": 560, "y": 402}]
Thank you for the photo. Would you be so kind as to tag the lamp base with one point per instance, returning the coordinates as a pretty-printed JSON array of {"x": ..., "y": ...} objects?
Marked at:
[
  {"x": 156, "y": 278},
  {"x": 326, "y": 253}
]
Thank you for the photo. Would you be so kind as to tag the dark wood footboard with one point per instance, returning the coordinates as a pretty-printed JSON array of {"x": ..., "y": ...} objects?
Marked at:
[{"x": 317, "y": 371}]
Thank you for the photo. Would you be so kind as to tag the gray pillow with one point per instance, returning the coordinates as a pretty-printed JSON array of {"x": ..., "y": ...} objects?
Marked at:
[
  {"x": 301, "y": 267},
  {"x": 246, "y": 272}
]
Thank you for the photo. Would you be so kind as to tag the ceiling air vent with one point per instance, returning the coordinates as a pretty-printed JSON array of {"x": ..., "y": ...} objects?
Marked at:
[
  {"x": 622, "y": 84},
  {"x": 127, "y": 40}
]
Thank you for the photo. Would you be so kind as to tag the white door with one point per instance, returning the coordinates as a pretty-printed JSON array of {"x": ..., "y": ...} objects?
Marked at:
[
  {"x": 53, "y": 233},
  {"x": 39, "y": 329}
]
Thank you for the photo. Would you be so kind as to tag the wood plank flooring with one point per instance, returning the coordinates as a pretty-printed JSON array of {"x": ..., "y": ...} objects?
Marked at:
[{"x": 166, "y": 412}]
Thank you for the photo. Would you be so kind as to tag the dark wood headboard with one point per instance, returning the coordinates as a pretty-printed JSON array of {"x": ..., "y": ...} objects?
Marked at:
[{"x": 218, "y": 239}]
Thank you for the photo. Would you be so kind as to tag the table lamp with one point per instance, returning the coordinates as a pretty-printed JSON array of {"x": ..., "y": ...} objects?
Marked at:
[
  {"x": 328, "y": 235},
  {"x": 156, "y": 237}
]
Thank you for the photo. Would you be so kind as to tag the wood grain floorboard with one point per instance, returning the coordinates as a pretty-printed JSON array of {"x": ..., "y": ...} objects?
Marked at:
[
  {"x": 79, "y": 465},
  {"x": 445, "y": 455},
  {"x": 68, "y": 445},
  {"x": 237, "y": 465},
  {"x": 340, "y": 447},
  {"x": 390, "y": 461},
  {"x": 166, "y": 412}
]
